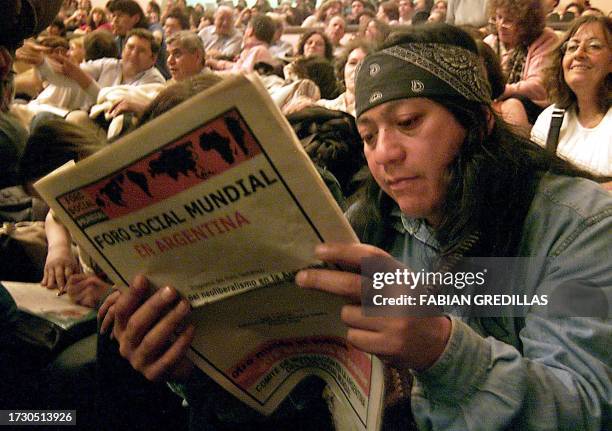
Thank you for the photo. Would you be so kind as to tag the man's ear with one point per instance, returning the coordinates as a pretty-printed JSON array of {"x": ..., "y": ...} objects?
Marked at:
[{"x": 135, "y": 19}]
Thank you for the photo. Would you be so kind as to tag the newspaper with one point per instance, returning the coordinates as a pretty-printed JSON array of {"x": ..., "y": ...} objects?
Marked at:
[
  {"x": 218, "y": 199},
  {"x": 46, "y": 320},
  {"x": 37, "y": 300}
]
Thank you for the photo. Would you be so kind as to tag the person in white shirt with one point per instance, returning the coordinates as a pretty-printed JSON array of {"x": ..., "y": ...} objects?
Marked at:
[
  {"x": 222, "y": 40},
  {"x": 257, "y": 38},
  {"x": 579, "y": 82}
]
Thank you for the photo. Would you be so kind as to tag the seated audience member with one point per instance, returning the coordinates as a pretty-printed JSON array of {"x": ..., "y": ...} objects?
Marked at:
[
  {"x": 289, "y": 14},
  {"x": 440, "y": 5},
  {"x": 262, "y": 6},
  {"x": 422, "y": 8},
  {"x": 153, "y": 14},
  {"x": 335, "y": 30},
  {"x": 302, "y": 10},
  {"x": 221, "y": 40},
  {"x": 186, "y": 55},
  {"x": 405, "y": 10},
  {"x": 511, "y": 110},
  {"x": 279, "y": 48},
  {"x": 172, "y": 4},
  {"x": 579, "y": 82},
  {"x": 52, "y": 143},
  {"x": 76, "y": 50},
  {"x": 523, "y": 43},
  {"x": 388, "y": 12},
  {"x": 128, "y": 15},
  {"x": 323, "y": 14},
  {"x": 377, "y": 31},
  {"x": 314, "y": 43},
  {"x": 195, "y": 18},
  {"x": 420, "y": 17},
  {"x": 243, "y": 19},
  {"x": 77, "y": 19},
  {"x": 96, "y": 21},
  {"x": 207, "y": 19},
  {"x": 256, "y": 40},
  {"x": 423, "y": 5},
  {"x": 364, "y": 18},
  {"x": 436, "y": 16},
  {"x": 100, "y": 44},
  {"x": 354, "y": 52},
  {"x": 439, "y": 161},
  {"x": 357, "y": 6},
  {"x": 56, "y": 97},
  {"x": 175, "y": 21},
  {"x": 77, "y": 86},
  {"x": 318, "y": 70},
  {"x": 56, "y": 28},
  {"x": 186, "y": 58}
]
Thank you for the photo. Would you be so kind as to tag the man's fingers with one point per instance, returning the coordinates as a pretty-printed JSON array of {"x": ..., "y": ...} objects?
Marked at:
[
  {"x": 146, "y": 316},
  {"x": 352, "y": 316},
  {"x": 173, "y": 357},
  {"x": 130, "y": 300},
  {"x": 368, "y": 341},
  {"x": 341, "y": 283},
  {"x": 347, "y": 255},
  {"x": 156, "y": 339}
]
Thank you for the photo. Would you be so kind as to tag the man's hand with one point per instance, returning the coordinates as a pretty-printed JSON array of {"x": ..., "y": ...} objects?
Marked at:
[
  {"x": 66, "y": 67},
  {"x": 407, "y": 342},
  {"x": 150, "y": 328},
  {"x": 32, "y": 53}
]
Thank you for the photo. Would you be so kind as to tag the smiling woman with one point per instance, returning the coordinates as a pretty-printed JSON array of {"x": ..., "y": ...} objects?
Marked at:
[{"x": 580, "y": 81}]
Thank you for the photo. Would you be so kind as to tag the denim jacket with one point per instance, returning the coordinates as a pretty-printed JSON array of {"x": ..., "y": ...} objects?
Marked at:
[{"x": 544, "y": 373}]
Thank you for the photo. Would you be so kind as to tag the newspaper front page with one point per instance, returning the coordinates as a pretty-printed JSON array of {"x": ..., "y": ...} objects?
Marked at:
[{"x": 218, "y": 199}]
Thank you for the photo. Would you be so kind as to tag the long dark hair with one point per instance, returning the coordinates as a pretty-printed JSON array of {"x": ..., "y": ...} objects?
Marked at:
[
  {"x": 329, "y": 49},
  {"x": 491, "y": 183}
]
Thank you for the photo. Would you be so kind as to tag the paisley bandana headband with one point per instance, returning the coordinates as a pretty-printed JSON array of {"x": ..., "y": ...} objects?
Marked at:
[{"x": 420, "y": 70}]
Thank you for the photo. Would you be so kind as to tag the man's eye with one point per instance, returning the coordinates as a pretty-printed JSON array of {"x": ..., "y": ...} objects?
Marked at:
[
  {"x": 408, "y": 123},
  {"x": 368, "y": 138}
]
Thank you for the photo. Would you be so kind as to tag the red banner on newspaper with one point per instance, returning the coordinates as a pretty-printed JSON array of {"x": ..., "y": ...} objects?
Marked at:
[
  {"x": 197, "y": 156},
  {"x": 258, "y": 363}
]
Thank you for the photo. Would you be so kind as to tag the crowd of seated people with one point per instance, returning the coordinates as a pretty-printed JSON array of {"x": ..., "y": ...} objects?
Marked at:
[{"x": 94, "y": 73}]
